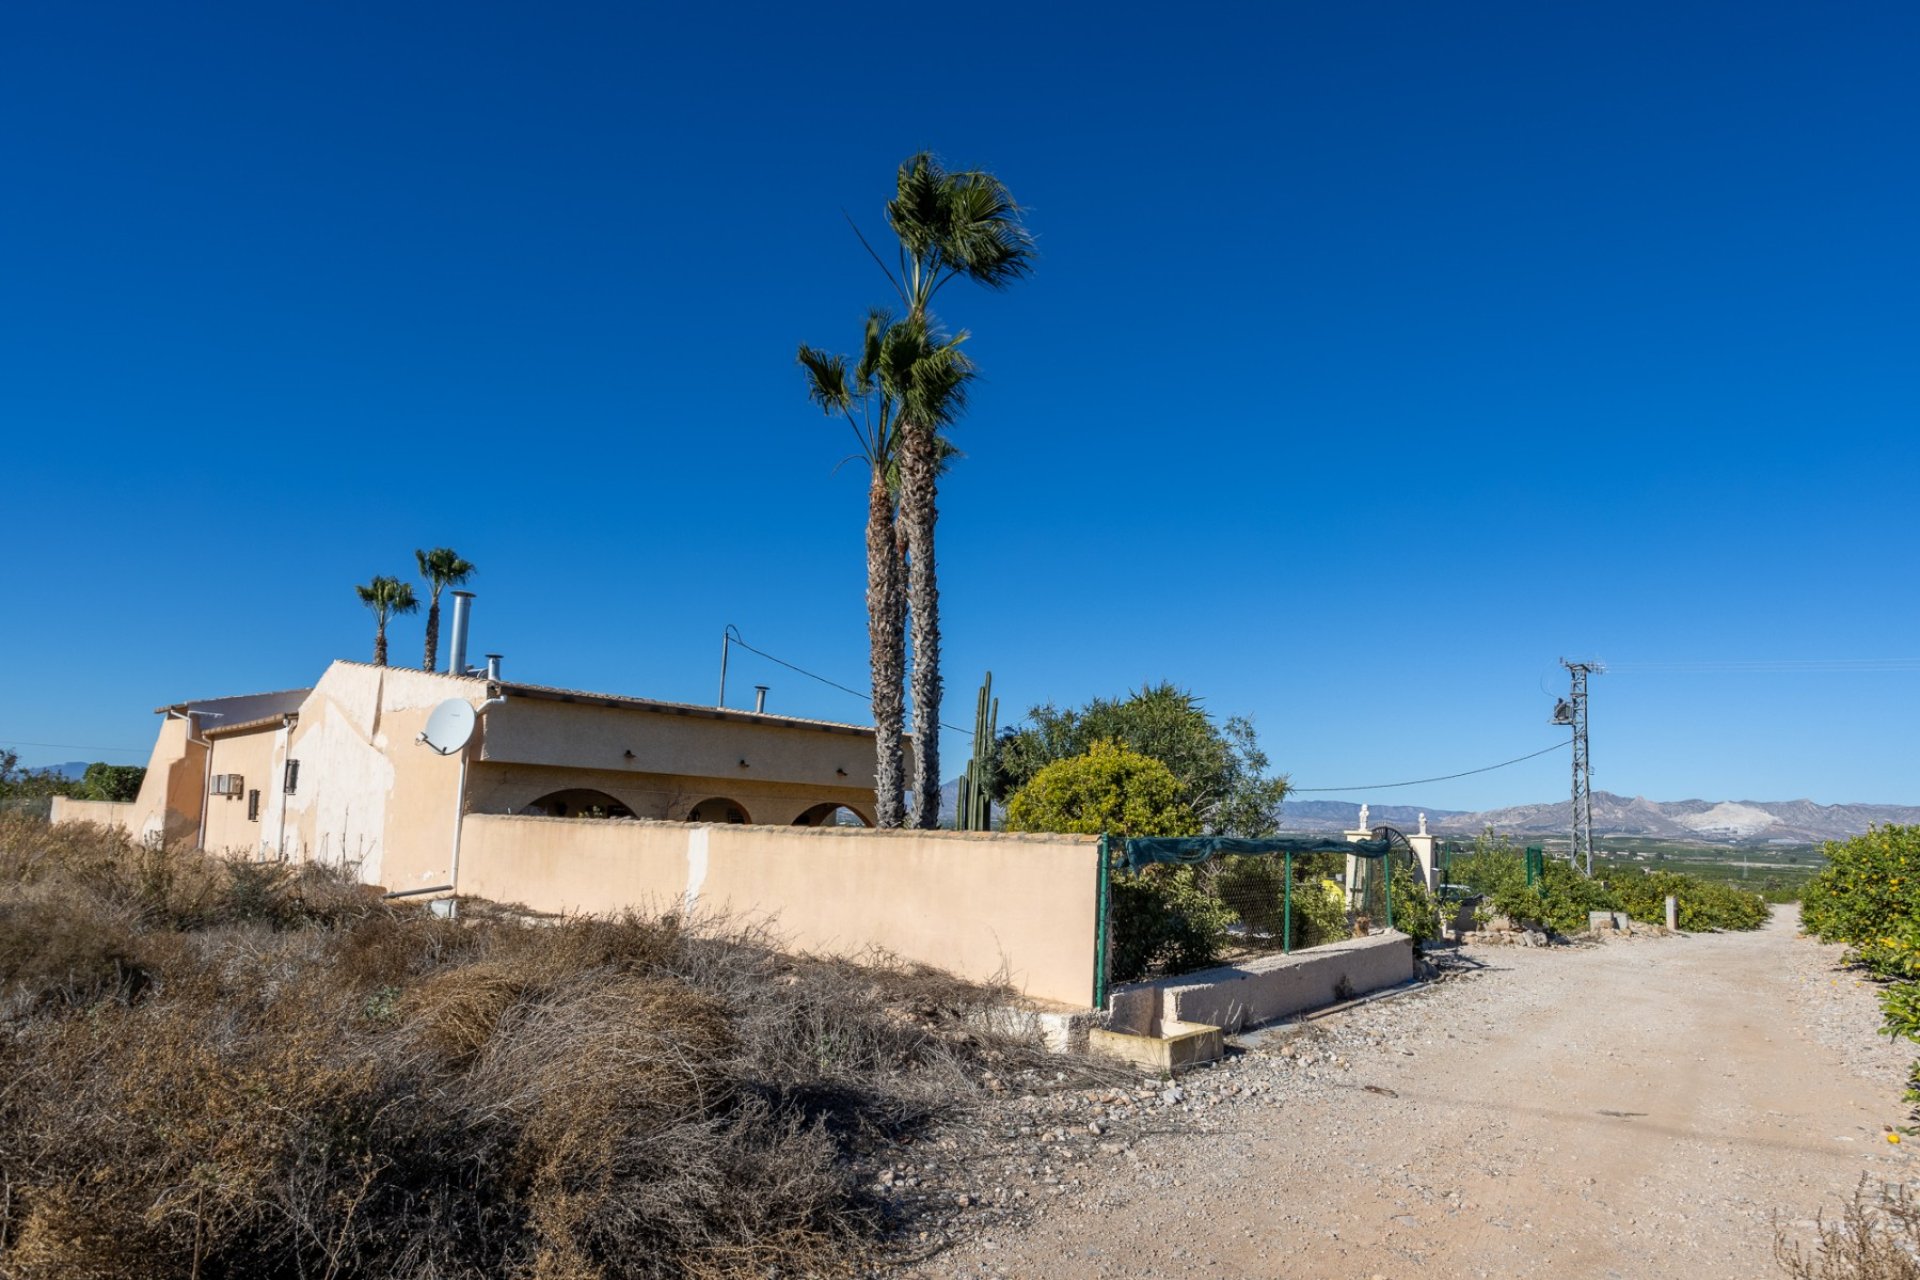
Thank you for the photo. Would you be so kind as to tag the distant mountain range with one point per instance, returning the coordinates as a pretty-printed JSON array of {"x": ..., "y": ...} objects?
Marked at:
[{"x": 1711, "y": 821}]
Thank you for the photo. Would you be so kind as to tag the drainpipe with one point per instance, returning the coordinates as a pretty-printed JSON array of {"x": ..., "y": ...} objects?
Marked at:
[
  {"x": 460, "y": 795},
  {"x": 286, "y": 729},
  {"x": 206, "y": 781}
]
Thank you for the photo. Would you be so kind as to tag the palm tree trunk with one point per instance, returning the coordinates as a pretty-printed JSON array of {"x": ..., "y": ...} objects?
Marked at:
[
  {"x": 380, "y": 644},
  {"x": 919, "y": 469},
  {"x": 433, "y": 633},
  {"x": 886, "y": 643}
]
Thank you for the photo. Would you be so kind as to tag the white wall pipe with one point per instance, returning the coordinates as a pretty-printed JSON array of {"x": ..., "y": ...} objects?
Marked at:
[{"x": 460, "y": 793}]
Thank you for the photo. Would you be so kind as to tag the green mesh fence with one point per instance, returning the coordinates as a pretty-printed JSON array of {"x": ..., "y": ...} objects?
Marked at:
[{"x": 1174, "y": 905}]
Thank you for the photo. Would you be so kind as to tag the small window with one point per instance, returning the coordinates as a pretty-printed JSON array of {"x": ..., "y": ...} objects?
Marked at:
[
  {"x": 253, "y": 806},
  {"x": 293, "y": 777}
]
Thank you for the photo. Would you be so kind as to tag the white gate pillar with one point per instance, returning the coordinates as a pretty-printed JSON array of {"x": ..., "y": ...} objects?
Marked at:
[
  {"x": 1423, "y": 849},
  {"x": 1363, "y": 832}
]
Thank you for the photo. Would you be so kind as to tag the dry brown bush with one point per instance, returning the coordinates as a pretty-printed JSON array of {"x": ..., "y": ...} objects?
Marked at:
[
  {"x": 1877, "y": 1237},
  {"x": 210, "y": 1069}
]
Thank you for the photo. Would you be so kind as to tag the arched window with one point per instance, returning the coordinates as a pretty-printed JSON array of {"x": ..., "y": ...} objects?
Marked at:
[
  {"x": 832, "y": 815},
  {"x": 578, "y": 802},
  {"x": 719, "y": 809}
]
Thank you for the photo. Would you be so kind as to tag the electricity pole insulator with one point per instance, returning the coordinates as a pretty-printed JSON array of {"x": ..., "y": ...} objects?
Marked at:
[{"x": 1573, "y": 712}]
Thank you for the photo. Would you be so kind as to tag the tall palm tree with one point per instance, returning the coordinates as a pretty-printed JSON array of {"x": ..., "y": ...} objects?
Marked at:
[
  {"x": 900, "y": 365},
  {"x": 386, "y": 597},
  {"x": 949, "y": 224},
  {"x": 442, "y": 567}
]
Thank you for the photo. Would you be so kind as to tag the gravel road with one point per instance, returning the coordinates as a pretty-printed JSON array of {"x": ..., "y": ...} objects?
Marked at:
[{"x": 1642, "y": 1107}]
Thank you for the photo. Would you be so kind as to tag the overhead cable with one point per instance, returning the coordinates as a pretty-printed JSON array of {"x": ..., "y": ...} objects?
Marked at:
[
  {"x": 1445, "y": 777},
  {"x": 733, "y": 635}
]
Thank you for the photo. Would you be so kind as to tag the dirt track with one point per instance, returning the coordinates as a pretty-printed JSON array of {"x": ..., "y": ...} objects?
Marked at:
[{"x": 1635, "y": 1109}]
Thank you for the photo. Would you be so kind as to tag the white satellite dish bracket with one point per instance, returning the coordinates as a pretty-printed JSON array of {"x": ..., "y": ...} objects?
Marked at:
[{"x": 450, "y": 727}]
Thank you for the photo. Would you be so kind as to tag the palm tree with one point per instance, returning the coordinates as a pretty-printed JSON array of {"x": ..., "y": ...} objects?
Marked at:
[
  {"x": 442, "y": 567},
  {"x": 900, "y": 366},
  {"x": 386, "y": 597},
  {"x": 949, "y": 224}
]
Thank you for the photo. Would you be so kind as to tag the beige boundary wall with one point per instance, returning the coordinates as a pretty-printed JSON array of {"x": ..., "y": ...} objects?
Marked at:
[
  {"x": 105, "y": 813},
  {"x": 977, "y": 905}
]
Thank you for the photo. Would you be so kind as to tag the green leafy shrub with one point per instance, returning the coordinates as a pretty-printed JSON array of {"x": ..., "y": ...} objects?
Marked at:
[
  {"x": 1255, "y": 886},
  {"x": 1868, "y": 896},
  {"x": 1416, "y": 910},
  {"x": 1900, "y": 1004},
  {"x": 1109, "y": 790},
  {"x": 1164, "y": 919},
  {"x": 1494, "y": 866},
  {"x": 1319, "y": 913},
  {"x": 1558, "y": 901},
  {"x": 1562, "y": 897},
  {"x": 1700, "y": 904}
]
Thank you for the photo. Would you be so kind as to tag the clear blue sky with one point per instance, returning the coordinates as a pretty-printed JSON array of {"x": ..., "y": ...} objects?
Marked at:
[{"x": 1377, "y": 356}]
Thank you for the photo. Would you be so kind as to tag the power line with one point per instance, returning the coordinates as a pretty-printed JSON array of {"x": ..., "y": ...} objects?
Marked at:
[
  {"x": 1769, "y": 666},
  {"x": 1445, "y": 777},
  {"x": 64, "y": 746},
  {"x": 733, "y": 636}
]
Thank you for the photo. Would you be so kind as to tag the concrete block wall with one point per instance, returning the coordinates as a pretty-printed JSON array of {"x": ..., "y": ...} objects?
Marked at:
[{"x": 1233, "y": 997}]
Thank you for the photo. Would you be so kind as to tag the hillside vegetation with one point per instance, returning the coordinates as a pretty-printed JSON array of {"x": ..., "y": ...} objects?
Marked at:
[
  {"x": 1561, "y": 898},
  {"x": 221, "y": 1069}
]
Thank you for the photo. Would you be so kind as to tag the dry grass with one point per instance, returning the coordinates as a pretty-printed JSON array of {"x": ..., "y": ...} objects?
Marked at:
[
  {"x": 1877, "y": 1237},
  {"x": 211, "y": 1069}
]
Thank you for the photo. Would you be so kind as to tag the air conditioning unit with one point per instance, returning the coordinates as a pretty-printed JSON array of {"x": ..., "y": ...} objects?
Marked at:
[{"x": 228, "y": 784}]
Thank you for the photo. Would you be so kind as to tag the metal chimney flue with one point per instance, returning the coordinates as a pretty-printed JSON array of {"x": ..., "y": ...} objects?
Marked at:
[
  {"x": 457, "y": 653},
  {"x": 493, "y": 666},
  {"x": 760, "y": 699}
]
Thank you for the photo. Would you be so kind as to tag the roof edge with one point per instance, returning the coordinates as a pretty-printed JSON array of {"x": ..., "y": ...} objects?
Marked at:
[{"x": 548, "y": 693}]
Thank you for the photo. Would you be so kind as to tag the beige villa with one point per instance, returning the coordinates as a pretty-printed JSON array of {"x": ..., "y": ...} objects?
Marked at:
[
  {"x": 340, "y": 772},
  {"x": 566, "y": 802}
]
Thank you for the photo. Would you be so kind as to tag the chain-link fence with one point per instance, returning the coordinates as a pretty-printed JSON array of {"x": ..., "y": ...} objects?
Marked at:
[{"x": 1175, "y": 905}]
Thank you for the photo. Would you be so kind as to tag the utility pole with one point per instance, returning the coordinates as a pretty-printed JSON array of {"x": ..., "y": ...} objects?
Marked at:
[{"x": 1572, "y": 712}]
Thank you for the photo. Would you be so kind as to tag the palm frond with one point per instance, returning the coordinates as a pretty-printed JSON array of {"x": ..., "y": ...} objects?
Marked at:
[
  {"x": 878, "y": 322},
  {"x": 925, "y": 373},
  {"x": 984, "y": 238},
  {"x": 916, "y": 212},
  {"x": 443, "y": 567},
  {"x": 963, "y": 223},
  {"x": 826, "y": 379},
  {"x": 387, "y": 596}
]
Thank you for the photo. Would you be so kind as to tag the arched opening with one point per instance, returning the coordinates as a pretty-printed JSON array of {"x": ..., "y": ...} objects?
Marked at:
[
  {"x": 719, "y": 809},
  {"x": 578, "y": 802},
  {"x": 832, "y": 815}
]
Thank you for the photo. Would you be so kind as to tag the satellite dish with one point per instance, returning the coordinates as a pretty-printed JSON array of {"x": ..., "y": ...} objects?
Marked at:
[{"x": 449, "y": 727}]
